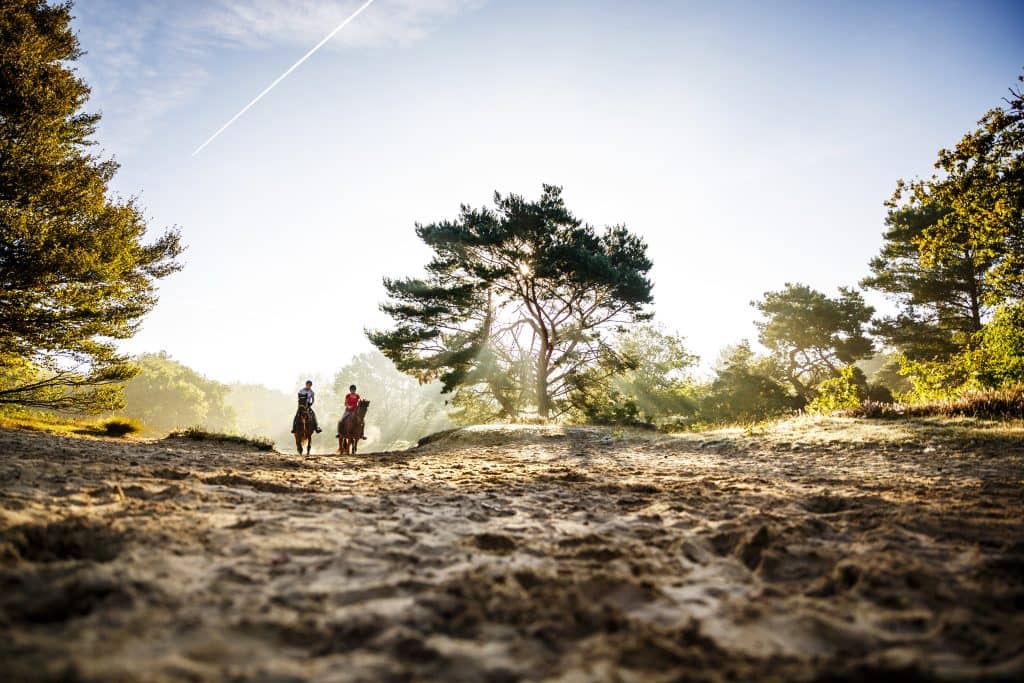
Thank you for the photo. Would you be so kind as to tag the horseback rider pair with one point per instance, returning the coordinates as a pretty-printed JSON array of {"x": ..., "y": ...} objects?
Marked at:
[{"x": 307, "y": 397}]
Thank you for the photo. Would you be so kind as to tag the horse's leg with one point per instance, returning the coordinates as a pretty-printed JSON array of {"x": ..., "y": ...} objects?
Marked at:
[{"x": 298, "y": 441}]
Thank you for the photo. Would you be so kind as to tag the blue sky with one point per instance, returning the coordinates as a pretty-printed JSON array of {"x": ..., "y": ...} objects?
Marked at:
[{"x": 751, "y": 144}]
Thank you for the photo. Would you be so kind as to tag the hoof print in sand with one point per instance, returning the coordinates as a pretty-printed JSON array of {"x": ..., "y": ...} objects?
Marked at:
[
  {"x": 494, "y": 543},
  {"x": 73, "y": 538}
]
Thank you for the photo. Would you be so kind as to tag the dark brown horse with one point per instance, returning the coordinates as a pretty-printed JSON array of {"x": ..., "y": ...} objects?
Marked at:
[
  {"x": 302, "y": 426},
  {"x": 350, "y": 430}
]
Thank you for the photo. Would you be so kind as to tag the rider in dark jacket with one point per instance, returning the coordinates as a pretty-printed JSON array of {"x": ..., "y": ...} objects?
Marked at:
[{"x": 306, "y": 399}]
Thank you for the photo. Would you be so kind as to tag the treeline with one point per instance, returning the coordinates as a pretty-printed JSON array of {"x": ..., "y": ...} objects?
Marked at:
[
  {"x": 167, "y": 395},
  {"x": 524, "y": 310}
]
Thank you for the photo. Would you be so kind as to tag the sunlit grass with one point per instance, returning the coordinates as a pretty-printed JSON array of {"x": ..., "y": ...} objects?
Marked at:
[
  {"x": 260, "y": 443},
  {"x": 14, "y": 418}
]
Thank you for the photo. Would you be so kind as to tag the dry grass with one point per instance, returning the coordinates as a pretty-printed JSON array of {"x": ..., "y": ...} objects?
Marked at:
[
  {"x": 66, "y": 425},
  {"x": 994, "y": 404},
  {"x": 259, "y": 443}
]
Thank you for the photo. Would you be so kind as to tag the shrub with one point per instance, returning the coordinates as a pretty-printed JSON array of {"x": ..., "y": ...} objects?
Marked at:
[
  {"x": 840, "y": 393},
  {"x": 117, "y": 426}
]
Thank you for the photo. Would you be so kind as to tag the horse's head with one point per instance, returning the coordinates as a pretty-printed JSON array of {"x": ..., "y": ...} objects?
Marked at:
[{"x": 364, "y": 405}]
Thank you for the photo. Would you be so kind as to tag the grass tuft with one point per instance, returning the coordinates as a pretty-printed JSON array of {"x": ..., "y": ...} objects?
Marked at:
[
  {"x": 114, "y": 426},
  {"x": 259, "y": 443}
]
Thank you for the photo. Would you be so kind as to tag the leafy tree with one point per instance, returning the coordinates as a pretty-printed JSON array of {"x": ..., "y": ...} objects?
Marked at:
[
  {"x": 520, "y": 300},
  {"x": 941, "y": 302},
  {"x": 811, "y": 336},
  {"x": 74, "y": 272},
  {"x": 954, "y": 243},
  {"x": 167, "y": 395},
  {"x": 744, "y": 389},
  {"x": 651, "y": 380}
]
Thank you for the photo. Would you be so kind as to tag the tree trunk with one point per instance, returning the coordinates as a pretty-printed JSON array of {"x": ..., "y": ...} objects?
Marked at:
[{"x": 543, "y": 400}]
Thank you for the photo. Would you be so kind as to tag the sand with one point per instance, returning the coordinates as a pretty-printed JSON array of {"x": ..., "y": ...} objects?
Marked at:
[{"x": 819, "y": 550}]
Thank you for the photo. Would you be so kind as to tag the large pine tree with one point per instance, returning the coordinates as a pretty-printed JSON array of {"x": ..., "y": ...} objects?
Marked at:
[
  {"x": 75, "y": 274},
  {"x": 518, "y": 302},
  {"x": 954, "y": 242}
]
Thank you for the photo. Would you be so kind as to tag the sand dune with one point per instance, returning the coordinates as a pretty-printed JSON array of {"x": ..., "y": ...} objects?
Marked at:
[{"x": 824, "y": 550}]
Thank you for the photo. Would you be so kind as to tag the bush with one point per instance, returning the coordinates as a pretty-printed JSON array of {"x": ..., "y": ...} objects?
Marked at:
[
  {"x": 116, "y": 426},
  {"x": 844, "y": 392}
]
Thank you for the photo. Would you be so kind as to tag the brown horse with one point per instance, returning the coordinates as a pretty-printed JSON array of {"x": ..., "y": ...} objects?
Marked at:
[
  {"x": 351, "y": 431},
  {"x": 302, "y": 426}
]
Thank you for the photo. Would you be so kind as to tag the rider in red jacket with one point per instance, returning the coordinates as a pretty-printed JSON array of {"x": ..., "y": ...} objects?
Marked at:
[{"x": 352, "y": 407}]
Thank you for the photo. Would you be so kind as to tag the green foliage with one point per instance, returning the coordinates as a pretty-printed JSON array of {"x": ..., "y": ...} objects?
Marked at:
[
  {"x": 954, "y": 244},
  {"x": 993, "y": 359},
  {"x": 74, "y": 272},
  {"x": 613, "y": 408},
  {"x": 518, "y": 301},
  {"x": 939, "y": 380},
  {"x": 649, "y": 381},
  {"x": 1000, "y": 352},
  {"x": 744, "y": 390},
  {"x": 167, "y": 395},
  {"x": 845, "y": 391},
  {"x": 811, "y": 336}
]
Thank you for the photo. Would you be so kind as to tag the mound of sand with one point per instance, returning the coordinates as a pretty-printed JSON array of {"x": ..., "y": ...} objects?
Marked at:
[{"x": 832, "y": 550}]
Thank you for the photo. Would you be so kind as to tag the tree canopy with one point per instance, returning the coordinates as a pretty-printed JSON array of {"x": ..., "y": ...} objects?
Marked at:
[
  {"x": 75, "y": 274},
  {"x": 168, "y": 395},
  {"x": 518, "y": 302},
  {"x": 812, "y": 336},
  {"x": 954, "y": 242}
]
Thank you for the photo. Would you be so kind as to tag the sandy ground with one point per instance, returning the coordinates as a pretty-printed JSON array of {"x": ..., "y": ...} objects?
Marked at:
[{"x": 823, "y": 550}]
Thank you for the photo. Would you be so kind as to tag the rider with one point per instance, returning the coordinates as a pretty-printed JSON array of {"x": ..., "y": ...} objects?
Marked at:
[
  {"x": 352, "y": 407},
  {"x": 306, "y": 398}
]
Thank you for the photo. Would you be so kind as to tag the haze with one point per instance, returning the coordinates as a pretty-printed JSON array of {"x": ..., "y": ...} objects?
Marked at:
[{"x": 749, "y": 143}]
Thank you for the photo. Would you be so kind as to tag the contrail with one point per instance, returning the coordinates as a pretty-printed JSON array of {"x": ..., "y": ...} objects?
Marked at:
[{"x": 280, "y": 78}]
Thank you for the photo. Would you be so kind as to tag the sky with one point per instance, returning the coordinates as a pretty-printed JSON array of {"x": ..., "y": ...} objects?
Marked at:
[{"x": 750, "y": 144}]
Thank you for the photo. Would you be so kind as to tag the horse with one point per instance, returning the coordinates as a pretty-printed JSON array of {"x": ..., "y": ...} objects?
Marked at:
[
  {"x": 303, "y": 428},
  {"x": 351, "y": 431}
]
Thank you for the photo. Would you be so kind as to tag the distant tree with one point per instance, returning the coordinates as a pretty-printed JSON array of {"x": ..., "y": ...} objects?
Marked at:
[
  {"x": 262, "y": 411},
  {"x": 402, "y": 410},
  {"x": 652, "y": 380},
  {"x": 954, "y": 243},
  {"x": 744, "y": 389},
  {"x": 168, "y": 395},
  {"x": 811, "y": 336},
  {"x": 519, "y": 300},
  {"x": 74, "y": 272}
]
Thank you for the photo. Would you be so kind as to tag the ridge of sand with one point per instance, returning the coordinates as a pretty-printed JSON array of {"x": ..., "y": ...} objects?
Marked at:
[{"x": 826, "y": 550}]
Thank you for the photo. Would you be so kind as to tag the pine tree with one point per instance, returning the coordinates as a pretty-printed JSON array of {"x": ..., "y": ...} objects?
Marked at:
[
  {"x": 518, "y": 300},
  {"x": 75, "y": 274},
  {"x": 812, "y": 336},
  {"x": 954, "y": 243}
]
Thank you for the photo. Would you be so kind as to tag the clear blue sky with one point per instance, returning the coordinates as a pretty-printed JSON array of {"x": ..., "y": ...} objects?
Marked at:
[{"x": 750, "y": 143}]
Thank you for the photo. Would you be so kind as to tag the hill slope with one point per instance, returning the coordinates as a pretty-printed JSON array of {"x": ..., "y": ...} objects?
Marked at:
[{"x": 828, "y": 549}]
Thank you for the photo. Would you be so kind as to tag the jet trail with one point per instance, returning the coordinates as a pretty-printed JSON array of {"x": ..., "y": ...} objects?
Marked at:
[{"x": 280, "y": 78}]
